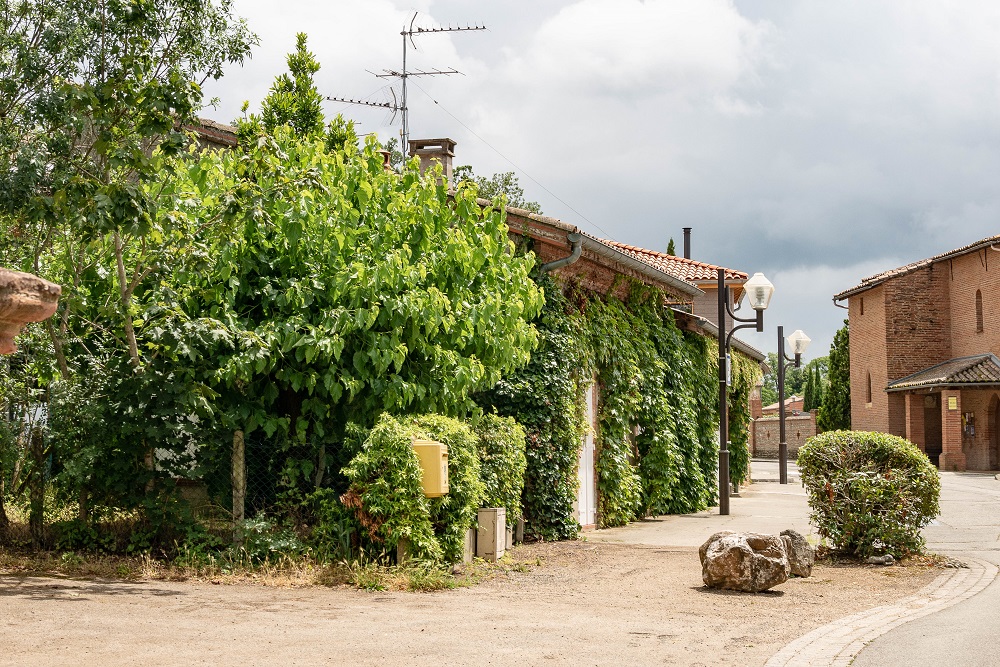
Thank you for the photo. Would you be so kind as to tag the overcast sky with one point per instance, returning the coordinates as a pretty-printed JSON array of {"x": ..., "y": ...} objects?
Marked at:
[{"x": 817, "y": 142}]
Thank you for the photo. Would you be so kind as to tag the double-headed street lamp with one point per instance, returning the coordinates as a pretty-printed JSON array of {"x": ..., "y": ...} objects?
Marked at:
[
  {"x": 758, "y": 290},
  {"x": 798, "y": 341}
]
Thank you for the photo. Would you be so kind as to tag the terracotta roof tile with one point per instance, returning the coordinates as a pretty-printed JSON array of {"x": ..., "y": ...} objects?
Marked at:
[
  {"x": 880, "y": 278},
  {"x": 685, "y": 269},
  {"x": 978, "y": 369}
]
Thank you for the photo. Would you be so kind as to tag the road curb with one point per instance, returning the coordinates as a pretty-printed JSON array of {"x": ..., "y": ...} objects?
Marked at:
[{"x": 839, "y": 642}]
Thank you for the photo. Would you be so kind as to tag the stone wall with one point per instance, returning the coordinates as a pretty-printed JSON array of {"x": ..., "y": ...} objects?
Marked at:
[{"x": 764, "y": 434}]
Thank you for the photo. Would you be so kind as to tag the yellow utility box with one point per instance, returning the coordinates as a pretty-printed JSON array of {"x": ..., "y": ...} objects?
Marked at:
[{"x": 434, "y": 464}]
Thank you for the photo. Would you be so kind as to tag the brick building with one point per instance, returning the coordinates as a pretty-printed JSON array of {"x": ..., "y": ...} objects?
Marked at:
[{"x": 923, "y": 341}]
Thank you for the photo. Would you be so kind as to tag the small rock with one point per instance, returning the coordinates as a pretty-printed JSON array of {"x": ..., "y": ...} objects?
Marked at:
[
  {"x": 881, "y": 560},
  {"x": 801, "y": 555},
  {"x": 749, "y": 562}
]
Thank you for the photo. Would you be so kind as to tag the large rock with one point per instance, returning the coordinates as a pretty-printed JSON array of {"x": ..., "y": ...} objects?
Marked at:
[
  {"x": 749, "y": 562},
  {"x": 23, "y": 298},
  {"x": 801, "y": 555}
]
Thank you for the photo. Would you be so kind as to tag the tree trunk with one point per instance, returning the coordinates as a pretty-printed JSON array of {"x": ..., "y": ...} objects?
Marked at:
[
  {"x": 36, "y": 515},
  {"x": 126, "y": 297}
]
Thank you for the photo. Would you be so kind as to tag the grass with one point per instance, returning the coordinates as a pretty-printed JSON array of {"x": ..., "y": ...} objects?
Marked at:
[{"x": 281, "y": 570}]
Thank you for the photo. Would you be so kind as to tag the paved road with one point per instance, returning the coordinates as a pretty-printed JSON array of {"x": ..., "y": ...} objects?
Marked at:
[{"x": 968, "y": 528}]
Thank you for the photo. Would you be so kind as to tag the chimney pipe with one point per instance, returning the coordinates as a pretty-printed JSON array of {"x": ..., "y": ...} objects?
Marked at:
[
  {"x": 687, "y": 243},
  {"x": 434, "y": 150}
]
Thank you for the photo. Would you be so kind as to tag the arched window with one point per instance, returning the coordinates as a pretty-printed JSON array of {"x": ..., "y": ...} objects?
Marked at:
[
  {"x": 979, "y": 311},
  {"x": 861, "y": 304},
  {"x": 868, "y": 389}
]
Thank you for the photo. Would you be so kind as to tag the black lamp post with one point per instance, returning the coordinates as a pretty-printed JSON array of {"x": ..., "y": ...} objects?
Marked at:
[
  {"x": 759, "y": 290},
  {"x": 798, "y": 342}
]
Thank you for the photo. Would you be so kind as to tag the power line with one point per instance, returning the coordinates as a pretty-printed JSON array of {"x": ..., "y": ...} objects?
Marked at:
[{"x": 512, "y": 163}]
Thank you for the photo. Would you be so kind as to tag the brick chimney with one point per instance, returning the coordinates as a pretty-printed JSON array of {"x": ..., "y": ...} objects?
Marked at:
[{"x": 431, "y": 150}]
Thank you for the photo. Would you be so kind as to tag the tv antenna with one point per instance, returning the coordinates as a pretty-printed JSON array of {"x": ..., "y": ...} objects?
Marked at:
[{"x": 400, "y": 106}]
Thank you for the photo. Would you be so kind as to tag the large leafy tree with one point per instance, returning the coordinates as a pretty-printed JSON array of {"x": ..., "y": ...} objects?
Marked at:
[
  {"x": 91, "y": 90},
  {"x": 94, "y": 101},
  {"x": 337, "y": 290},
  {"x": 835, "y": 412}
]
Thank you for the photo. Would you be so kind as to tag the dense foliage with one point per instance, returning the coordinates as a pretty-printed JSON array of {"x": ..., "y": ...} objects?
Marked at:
[
  {"x": 503, "y": 463},
  {"x": 656, "y": 450},
  {"x": 453, "y": 514},
  {"x": 546, "y": 397},
  {"x": 657, "y": 417},
  {"x": 835, "y": 411},
  {"x": 283, "y": 289},
  {"x": 869, "y": 493},
  {"x": 386, "y": 493}
]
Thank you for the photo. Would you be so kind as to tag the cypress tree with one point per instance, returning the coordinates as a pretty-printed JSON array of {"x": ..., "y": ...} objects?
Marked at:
[{"x": 835, "y": 413}]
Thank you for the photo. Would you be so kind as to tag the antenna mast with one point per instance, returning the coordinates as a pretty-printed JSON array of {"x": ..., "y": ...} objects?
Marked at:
[{"x": 408, "y": 34}]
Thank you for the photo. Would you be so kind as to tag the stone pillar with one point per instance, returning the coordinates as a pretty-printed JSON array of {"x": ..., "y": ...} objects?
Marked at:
[
  {"x": 952, "y": 456},
  {"x": 915, "y": 420}
]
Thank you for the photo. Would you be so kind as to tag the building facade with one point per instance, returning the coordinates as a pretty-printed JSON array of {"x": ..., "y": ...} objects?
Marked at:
[{"x": 924, "y": 340}]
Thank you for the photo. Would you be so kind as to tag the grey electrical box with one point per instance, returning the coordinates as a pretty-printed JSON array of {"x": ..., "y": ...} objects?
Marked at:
[{"x": 491, "y": 538}]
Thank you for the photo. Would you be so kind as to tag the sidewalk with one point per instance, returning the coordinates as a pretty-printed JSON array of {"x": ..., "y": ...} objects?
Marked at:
[{"x": 764, "y": 507}]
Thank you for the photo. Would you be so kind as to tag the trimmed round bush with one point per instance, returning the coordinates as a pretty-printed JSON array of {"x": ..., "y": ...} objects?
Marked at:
[{"x": 869, "y": 493}]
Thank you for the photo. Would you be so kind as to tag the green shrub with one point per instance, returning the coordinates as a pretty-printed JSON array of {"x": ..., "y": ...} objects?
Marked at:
[
  {"x": 386, "y": 493},
  {"x": 869, "y": 493},
  {"x": 454, "y": 513},
  {"x": 387, "y": 498},
  {"x": 502, "y": 463}
]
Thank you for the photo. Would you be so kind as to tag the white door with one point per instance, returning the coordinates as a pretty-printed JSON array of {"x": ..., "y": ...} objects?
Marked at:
[{"x": 586, "y": 496}]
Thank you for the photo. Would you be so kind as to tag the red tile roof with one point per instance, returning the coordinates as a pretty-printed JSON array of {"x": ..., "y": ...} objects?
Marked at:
[
  {"x": 685, "y": 269},
  {"x": 880, "y": 278}
]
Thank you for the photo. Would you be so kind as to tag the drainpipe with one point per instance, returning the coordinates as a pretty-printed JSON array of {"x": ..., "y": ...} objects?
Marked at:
[{"x": 576, "y": 239}]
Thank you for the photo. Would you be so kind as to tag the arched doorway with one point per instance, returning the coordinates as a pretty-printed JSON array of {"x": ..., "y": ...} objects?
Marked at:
[{"x": 993, "y": 419}]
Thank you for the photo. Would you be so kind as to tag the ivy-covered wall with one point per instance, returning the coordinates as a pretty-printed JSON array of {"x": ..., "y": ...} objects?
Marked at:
[{"x": 657, "y": 412}]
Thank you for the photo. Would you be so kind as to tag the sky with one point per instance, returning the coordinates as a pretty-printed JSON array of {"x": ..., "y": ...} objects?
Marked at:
[{"x": 816, "y": 142}]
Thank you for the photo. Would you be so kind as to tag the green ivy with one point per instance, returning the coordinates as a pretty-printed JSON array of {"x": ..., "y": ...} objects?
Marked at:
[
  {"x": 745, "y": 374},
  {"x": 658, "y": 413},
  {"x": 453, "y": 514},
  {"x": 503, "y": 462},
  {"x": 546, "y": 397},
  {"x": 386, "y": 492}
]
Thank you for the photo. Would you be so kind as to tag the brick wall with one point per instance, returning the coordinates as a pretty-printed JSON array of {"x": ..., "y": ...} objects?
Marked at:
[
  {"x": 918, "y": 317},
  {"x": 764, "y": 434},
  {"x": 967, "y": 274},
  {"x": 866, "y": 312},
  {"x": 976, "y": 447}
]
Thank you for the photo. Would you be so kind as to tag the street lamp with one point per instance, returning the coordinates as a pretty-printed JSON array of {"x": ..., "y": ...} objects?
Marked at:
[
  {"x": 798, "y": 341},
  {"x": 759, "y": 290}
]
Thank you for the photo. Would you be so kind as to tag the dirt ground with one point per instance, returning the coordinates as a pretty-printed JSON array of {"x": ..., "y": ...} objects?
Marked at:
[{"x": 585, "y": 604}]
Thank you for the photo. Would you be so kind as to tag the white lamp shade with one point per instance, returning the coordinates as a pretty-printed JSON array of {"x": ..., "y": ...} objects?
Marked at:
[
  {"x": 759, "y": 290},
  {"x": 798, "y": 341}
]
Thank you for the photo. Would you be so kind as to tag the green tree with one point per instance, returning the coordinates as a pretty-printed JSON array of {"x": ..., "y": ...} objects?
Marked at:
[
  {"x": 835, "y": 412},
  {"x": 295, "y": 101},
  {"x": 345, "y": 291},
  {"x": 505, "y": 185},
  {"x": 671, "y": 249},
  {"x": 94, "y": 102},
  {"x": 808, "y": 392}
]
